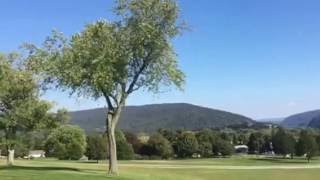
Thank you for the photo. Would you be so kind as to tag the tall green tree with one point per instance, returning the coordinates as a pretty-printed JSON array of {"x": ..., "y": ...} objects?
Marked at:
[
  {"x": 222, "y": 147},
  {"x": 160, "y": 146},
  {"x": 283, "y": 142},
  {"x": 134, "y": 141},
  {"x": 204, "y": 139},
  {"x": 114, "y": 59},
  {"x": 186, "y": 144},
  {"x": 256, "y": 143},
  {"x": 306, "y": 145},
  {"x": 97, "y": 147},
  {"x": 125, "y": 149},
  {"x": 21, "y": 110}
]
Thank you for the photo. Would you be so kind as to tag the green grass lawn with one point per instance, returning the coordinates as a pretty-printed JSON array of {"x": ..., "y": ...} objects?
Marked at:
[{"x": 236, "y": 168}]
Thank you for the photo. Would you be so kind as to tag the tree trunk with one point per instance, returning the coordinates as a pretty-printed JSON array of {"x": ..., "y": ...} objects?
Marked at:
[
  {"x": 10, "y": 158},
  {"x": 113, "y": 116},
  {"x": 112, "y": 146}
]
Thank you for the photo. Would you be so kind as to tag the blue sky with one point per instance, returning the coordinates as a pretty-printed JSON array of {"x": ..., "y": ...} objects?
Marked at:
[{"x": 257, "y": 58}]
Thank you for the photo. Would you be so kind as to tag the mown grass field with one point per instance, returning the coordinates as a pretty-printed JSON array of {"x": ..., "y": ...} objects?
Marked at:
[{"x": 236, "y": 168}]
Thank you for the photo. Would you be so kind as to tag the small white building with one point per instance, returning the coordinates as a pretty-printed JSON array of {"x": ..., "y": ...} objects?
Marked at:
[
  {"x": 36, "y": 154},
  {"x": 241, "y": 148}
]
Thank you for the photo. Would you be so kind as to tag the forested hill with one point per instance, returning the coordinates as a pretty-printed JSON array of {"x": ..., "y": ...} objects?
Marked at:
[
  {"x": 302, "y": 120},
  {"x": 149, "y": 118}
]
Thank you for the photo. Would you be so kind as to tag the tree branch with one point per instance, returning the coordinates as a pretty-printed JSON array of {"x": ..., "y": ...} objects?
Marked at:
[
  {"x": 110, "y": 106},
  {"x": 136, "y": 76}
]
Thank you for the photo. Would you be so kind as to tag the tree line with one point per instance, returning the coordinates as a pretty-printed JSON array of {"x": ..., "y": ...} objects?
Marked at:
[{"x": 71, "y": 142}]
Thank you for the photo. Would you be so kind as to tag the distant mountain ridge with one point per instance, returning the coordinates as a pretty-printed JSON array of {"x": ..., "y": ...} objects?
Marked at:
[
  {"x": 302, "y": 120},
  {"x": 149, "y": 118},
  {"x": 271, "y": 120}
]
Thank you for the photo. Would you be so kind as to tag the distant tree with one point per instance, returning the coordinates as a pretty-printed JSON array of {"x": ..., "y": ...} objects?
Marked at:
[
  {"x": 267, "y": 146},
  {"x": 256, "y": 143},
  {"x": 306, "y": 145},
  {"x": 222, "y": 147},
  {"x": 160, "y": 146},
  {"x": 96, "y": 147},
  {"x": 35, "y": 140},
  {"x": 170, "y": 135},
  {"x": 134, "y": 141},
  {"x": 283, "y": 142},
  {"x": 66, "y": 142},
  {"x": 186, "y": 145},
  {"x": 114, "y": 59},
  {"x": 242, "y": 139},
  {"x": 204, "y": 138},
  {"x": 225, "y": 136},
  {"x": 318, "y": 141},
  {"x": 124, "y": 149},
  {"x": 62, "y": 116}
]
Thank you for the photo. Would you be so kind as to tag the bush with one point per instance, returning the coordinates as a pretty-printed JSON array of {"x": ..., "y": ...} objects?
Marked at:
[
  {"x": 97, "y": 148},
  {"x": 204, "y": 139},
  {"x": 186, "y": 145},
  {"x": 159, "y": 146},
  {"x": 124, "y": 149},
  {"x": 134, "y": 141},
  {"x": 222, "y": 147},
  {"x": 67, "y": 142}
]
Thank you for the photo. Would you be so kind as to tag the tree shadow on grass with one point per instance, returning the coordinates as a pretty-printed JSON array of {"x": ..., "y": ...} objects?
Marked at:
[
  {"x": 39, "y": 168},
  {"x": 281, "y": 160}
]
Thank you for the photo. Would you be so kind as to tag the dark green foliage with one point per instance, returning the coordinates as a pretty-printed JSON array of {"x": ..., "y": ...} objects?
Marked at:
[
  {"x": 204, "y": 139},
  {"x": 283, "y": 142},
  {"x": 21, "y": 149},
  {"x": 267, "y": 146},
  {"x": 159, "y": 146},
  {"x": 225, "y": 136},
  {"x": 256, "y": 143},
  {"x": 222, "y": 147},
  {"x": 150, "y": 118},
  {"x": 21, "y": 109},
  {"x": 306, "y": 145},
  {"x": 186, "y": 145},
  {"x": 124, "y": 149},
  {"x": 36, "y": 140},
  {"x": 318, "y": 141},
  {"x": 205, "y": 149},
  {"x": 66, "y": 142},
  {"x": 170, "y": 135},
  {"x": 134, "y": 141},
  {"x": 240, "y": 139},
  {"x": 97, "y": 148}
]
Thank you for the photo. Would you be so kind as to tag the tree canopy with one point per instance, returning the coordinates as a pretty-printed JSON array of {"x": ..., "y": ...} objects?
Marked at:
[
  {"x": 21, "y": 109},
  {"x": 114, "y": 59}
]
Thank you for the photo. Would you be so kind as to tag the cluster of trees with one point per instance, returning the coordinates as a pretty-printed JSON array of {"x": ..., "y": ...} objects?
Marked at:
[
  {"x": 166, "y": 144},
  {"x": 304, "y": 142},
  {"x": 21, "y": 109}
]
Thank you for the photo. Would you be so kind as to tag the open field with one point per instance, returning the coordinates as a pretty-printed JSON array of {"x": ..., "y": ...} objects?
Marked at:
[{"x": 226, "y": 169}]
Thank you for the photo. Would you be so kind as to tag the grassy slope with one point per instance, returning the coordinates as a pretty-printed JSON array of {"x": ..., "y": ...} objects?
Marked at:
[{"x": 66, "y": 170}]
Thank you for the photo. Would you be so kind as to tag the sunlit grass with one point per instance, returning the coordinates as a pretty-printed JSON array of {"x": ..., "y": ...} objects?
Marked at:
[{"x": 51, "y": 169}]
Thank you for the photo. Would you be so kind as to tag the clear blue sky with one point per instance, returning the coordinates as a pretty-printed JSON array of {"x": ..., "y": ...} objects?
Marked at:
[{"x": 257, "y": 58}]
